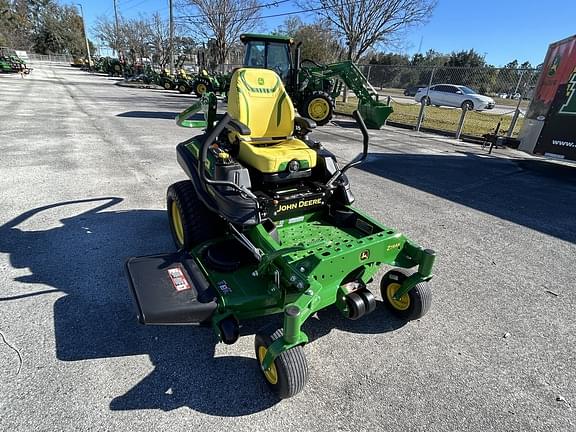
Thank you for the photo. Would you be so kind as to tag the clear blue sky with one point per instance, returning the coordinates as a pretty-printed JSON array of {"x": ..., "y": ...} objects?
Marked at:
[{"x": 503, "y": 30}]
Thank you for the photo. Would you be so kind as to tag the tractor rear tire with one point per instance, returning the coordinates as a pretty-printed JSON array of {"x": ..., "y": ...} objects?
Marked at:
[
  {"x": 184, "y": 89},
  {"x": 288, "y": 373},
  {"x": 414, "y": 304},
  {"x": 201, "y": 86},
  {"x": 191, "y": 223},
  {"x": 319, "y": 106}
]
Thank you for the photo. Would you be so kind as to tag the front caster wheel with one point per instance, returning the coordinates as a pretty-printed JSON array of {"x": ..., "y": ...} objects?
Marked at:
[
  {"x": 412, "y": 305},
  {"x": 288, "y": 374}
]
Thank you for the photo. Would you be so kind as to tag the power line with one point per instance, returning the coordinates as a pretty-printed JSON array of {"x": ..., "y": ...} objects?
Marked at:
[
  {"x": 297, "y": 12},
  {"x": 262, "y": 6}
]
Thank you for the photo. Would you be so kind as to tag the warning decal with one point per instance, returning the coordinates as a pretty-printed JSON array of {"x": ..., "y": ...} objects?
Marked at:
[{"x": 178, "y": 279}]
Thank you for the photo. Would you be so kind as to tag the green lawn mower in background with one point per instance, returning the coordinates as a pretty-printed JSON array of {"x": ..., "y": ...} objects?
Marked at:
[{"x": 265, "y": 225}]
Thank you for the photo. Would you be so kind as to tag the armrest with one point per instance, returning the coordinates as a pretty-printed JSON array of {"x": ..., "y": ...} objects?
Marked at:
[
  {"x": 237, "y": 126},
  {"x": 304, "y": 123}
]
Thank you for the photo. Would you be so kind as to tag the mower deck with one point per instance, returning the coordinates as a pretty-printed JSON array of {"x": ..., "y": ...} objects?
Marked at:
[{"x": 170, "y": 289}]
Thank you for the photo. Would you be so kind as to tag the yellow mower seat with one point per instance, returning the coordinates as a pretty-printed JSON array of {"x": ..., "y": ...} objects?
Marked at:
[{"x": 258, "y": 99}]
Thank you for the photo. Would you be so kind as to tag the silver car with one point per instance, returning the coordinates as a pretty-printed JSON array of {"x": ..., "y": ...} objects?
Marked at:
[{"x": 454, "y": 96}]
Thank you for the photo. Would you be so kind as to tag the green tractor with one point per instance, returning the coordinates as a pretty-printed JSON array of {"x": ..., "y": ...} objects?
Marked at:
[
  {"x": 10, "y": 62},
  {"x": 205, "y": 82},
  {"x": 264, "y": 225},
  {"x": 313, "y": 87}
]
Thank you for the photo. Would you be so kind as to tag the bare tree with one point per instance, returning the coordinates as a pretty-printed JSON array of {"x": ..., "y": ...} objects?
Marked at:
[
  {"x": 362, "y": 24},
  {"x": 159, "y": 39},
  {"x": 222, "y": 21}
]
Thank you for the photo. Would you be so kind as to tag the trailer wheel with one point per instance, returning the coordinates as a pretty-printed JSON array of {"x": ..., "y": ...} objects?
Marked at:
[
  {"x": 412, "y": 305},
  {"x": 319, "y": 107},
  {"x": 288, "y": 373},
  {"x": 190, "y": 221}
]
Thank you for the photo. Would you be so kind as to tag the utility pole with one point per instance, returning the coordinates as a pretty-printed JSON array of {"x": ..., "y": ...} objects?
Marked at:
[
  {"x": 171, "y": 43},
  {"x": 86, "y": 37},
  {"x": 116, "y": 27}
]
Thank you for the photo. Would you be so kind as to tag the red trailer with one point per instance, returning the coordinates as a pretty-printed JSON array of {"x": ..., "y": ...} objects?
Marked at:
[{"x": 550, "y": 125}]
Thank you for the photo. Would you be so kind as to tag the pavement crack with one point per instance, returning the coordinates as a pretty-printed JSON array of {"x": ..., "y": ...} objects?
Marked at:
[{"x": 13, "y": 348}]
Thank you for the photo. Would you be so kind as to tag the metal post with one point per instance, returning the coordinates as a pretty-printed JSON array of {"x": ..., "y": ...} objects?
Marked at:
[
  {"x": 171, "y": 44},
  {"x": 461, "y": 122},
  {"x": 86, "y": 37},
  {"x": 116, "y": 29},
  {"x": 519, "y": 81},
  {"x": 423, "y": 101},
  {"x": 517, "y": 111},
  {"x": 420, "y": 114}
]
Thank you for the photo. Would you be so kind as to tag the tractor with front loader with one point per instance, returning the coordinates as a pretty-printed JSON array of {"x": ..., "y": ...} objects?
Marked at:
[{"x": 313, "y": 87}]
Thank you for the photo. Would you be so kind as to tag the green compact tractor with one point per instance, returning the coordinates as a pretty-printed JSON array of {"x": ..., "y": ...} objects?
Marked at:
[
  {"x": 314, "y": 87},
  {"x": 204, "y": 82},
  {"x": 265, "y": 225},
  {"x": 11, "y": 63}
]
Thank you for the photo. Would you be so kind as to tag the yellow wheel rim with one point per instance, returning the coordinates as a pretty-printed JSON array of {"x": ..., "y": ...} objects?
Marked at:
[
  {"x": 201, "y": 88},
  {"x": 167, "y": 85},
  {"x": 318, "y": 109},
  {"x": 177, "y": 223},
  {"x": 403, "y": 302},
  {"x": 270, "y": 374}
]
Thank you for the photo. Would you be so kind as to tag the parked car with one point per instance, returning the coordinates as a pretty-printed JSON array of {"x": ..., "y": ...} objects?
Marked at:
[
  {"x": 412, "y": 90},
  {"x": 454, "y": 96}
]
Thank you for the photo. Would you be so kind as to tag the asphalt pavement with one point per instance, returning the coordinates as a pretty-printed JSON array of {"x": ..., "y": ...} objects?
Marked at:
[{"x": 84, "y": 169}]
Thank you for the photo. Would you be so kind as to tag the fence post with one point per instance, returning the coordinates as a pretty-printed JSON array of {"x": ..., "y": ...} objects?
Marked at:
[
  {"x": 461, "y": 122},
  {"x": 517, "y": 111},
  {"x": 420, "y": 114},
  {"x": 423, "y": 101}
]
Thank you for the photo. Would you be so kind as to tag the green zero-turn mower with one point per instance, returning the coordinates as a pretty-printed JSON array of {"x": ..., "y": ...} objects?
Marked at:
[{"x": 265, "y": 225}]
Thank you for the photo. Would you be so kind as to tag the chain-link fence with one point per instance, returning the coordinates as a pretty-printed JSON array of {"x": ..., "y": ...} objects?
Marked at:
[
  {"x": 55, "y": 58},
  {"x": 458, "y": 101}
]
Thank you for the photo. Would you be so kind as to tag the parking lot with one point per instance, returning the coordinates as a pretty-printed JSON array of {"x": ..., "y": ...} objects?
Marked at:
[{"x": 84, "y": 169}]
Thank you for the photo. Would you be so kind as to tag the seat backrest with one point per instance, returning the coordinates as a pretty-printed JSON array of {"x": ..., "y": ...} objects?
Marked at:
[{"x": 258, "y": 99}]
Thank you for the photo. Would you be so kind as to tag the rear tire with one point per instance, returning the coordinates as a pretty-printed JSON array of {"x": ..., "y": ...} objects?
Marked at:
[
  {"x": 191, "y": 223},
  {"x": 319, "y": 107},
  {"x": 201, "y": 86},
  {"x": 184, "y": 89},
  {"x": 289, "y": 372}
]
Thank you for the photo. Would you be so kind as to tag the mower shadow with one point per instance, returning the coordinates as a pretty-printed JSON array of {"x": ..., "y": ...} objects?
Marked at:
[
  {"x": 83, "y": 257},
  {"x": 520, "y": 191}
]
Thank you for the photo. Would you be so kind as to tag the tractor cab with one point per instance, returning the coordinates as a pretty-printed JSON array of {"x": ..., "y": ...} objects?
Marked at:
[{"x": 270, "y": 52}]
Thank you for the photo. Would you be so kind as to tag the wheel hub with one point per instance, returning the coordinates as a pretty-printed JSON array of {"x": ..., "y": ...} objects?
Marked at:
[
  {"x": 177, "y": 223},
  {"x": 403, "y": 302},
  {"x": 271, "y": 374},
  {"x": 318, "y": 109}
]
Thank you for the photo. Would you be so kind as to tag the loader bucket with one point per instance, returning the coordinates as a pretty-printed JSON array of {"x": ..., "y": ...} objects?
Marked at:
[{"x": 374, "y": 114}]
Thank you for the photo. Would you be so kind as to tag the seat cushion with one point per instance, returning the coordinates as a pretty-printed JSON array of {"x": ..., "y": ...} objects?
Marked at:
[{"x": 273, "y": 158}]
